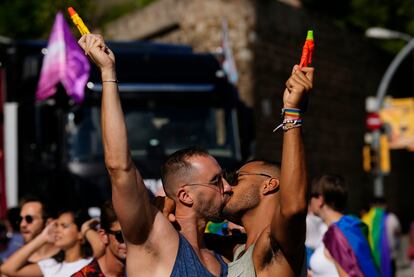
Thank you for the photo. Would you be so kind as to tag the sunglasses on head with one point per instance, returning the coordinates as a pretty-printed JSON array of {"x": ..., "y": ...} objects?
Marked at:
[
  {"x": 28, "y": 218},
  {"x": 117, "y": 234},
  {"x": 233, "y": 177}
]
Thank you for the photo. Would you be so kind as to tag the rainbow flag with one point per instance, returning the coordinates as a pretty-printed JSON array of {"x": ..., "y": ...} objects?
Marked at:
[
  {"x": 347, "y": 243},
  {"x": 378, "y": 240},
  {"x": 217, "y": 228}
]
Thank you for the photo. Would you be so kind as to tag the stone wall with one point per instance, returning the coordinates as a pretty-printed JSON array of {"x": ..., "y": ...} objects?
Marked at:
[{"x": 197, "y": 23}]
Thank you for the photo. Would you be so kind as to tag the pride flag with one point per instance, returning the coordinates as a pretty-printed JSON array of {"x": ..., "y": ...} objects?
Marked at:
[
  {"x": 347, "y": 243},
  {"x": 378, "y": 240},
  {"x": 64, "y": 62}
]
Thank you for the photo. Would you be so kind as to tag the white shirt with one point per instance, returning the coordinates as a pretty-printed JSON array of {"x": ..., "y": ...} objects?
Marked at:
[
  {"x": 315, "y": 229},
  {"x": 393, "y": 228},
  {"x": 50, "y": 267},
  {"x": 320, "y": 265}
]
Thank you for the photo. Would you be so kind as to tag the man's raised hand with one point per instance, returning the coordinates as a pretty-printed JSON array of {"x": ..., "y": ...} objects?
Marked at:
[
  {"x": 297, "y": 87},
  {"x": 95, "y": 47}
]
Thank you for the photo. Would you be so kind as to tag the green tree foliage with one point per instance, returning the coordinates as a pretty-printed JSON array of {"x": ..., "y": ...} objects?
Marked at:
[
  {"x": 33, "y": 19},
  {"x": 359, "y": 15}
]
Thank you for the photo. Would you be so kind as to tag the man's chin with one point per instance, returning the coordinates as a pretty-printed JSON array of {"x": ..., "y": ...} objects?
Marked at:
[{"x": 231, "y": 215}]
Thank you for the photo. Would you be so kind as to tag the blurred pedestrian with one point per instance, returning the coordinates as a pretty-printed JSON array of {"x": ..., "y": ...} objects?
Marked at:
[
  {"x": 345, "y": 248},
  {"x": 14, "y": 238},
  {"x": 315, "y": 230},
  {"x": 410, "y": 252},
  {"x": 33, "y": 218},
  {"x": 112, "y": 262},
  {"x": 384, "y": 236},
  {"x": 64, "y": 233}
]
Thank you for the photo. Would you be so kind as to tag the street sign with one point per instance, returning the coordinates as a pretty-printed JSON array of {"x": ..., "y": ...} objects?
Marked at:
[{"x": 373, "y": 121}]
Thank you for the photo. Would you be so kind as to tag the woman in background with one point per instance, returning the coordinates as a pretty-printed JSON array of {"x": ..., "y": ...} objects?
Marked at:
[
  {"x": 65, "y": 233},
  {"x": 345, "y": 249}
]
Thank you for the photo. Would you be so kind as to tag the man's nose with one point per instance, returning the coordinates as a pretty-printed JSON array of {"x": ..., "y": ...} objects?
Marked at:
[{"x": 226, "y": 186}]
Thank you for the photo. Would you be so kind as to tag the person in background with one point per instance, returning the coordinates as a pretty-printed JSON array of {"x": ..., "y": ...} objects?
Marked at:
[
  {"x": 65, "y": 234},
  {"x": 410, "y": 252},
  {"x": 384, "y": 236},
  {"x": 345, "y": 250},
  {"x": 4, "y": 240},
  {"x": 33, "y": 219},
  {"x": 14, "y": 238},
  {"x": 112, "y": 262},
  {"x": 315, "y": 230}
]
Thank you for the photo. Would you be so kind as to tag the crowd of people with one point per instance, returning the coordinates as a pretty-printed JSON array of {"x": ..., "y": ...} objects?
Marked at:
[{"x": 139, "y": 236}]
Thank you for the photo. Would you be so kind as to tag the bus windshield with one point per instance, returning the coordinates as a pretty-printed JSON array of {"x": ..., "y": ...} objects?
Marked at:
[{"x": 166, "y": 129}]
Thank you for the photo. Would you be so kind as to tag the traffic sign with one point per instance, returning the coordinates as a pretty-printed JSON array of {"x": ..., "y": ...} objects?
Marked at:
[{"x": 373, "y": 121}]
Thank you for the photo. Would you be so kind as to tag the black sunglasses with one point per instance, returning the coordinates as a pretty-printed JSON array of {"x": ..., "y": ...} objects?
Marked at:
[
  {"x": 117, "y": 234},
  {"x": 28, "y": 218}
]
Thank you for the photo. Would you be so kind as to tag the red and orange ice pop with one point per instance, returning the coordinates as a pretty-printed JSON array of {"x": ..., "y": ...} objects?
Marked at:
[{"x": 307, "y": 51}]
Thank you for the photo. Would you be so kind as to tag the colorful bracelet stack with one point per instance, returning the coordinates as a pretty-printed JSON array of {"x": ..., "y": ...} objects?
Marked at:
[{"x": 292, "y": 118}]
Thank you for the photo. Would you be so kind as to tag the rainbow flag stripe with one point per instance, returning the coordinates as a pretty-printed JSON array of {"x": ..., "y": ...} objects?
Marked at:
[
  {"x": 378, "y": 241},
  {"x": 347, "y": 243}
]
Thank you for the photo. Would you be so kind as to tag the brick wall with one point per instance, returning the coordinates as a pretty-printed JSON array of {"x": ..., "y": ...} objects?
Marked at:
[{"x": 334, "y": 124}]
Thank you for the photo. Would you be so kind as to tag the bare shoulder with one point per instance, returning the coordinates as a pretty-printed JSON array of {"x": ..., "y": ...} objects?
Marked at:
[{"x": 158, "y": 253}]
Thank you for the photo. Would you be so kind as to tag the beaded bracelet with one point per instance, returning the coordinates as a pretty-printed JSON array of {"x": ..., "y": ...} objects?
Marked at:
[
  {"x": 288, "y": 124},
  {"x": 292, "y": 118}
]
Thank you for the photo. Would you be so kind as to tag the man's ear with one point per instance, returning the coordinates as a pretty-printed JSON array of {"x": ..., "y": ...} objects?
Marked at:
[
  {"x": 103, "y": 236},
  {"x": 184, "y": 197},
  {"x": 320, "y": 201},
  {"x": 271, "y": 186}
]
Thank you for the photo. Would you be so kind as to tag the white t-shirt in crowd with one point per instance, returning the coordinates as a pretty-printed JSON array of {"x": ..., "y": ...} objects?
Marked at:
[
  {"x": 320, "y": 265},
  {"x": 393, "y": 228},
  {"x": 50, "y": 267},
  {"x": 315, "y": 229}
]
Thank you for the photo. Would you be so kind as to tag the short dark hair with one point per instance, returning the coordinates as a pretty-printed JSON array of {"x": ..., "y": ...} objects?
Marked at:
[
  {"x": 276, "y": 166},
  {"x": 33, "y": 198},
  {"x": 108, "y": 215},
  {"x": 334, "y": 190},
  {"x": 177, "y": 165}
]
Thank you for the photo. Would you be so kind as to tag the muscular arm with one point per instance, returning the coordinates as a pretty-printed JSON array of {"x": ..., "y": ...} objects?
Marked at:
[
  {"x": 129, "y": 194},
  {"x": 288, "y": 226}
]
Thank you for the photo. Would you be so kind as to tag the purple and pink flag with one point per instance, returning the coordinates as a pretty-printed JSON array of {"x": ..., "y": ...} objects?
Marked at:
[
  {"x": 346, "y": 240},
  {"x": 64, "y": 62}
]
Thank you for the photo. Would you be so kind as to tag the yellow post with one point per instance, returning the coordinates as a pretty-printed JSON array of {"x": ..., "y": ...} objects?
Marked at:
[
  {"x": 366, "y": 158},
  {"x": 385, "y": 163}
]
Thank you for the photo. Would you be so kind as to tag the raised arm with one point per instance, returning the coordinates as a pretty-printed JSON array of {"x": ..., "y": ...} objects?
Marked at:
[
  {"x": 129, "y": 195},
  {"x": 17, "y": 264},
  {"x": 288, "y": 225}
]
